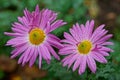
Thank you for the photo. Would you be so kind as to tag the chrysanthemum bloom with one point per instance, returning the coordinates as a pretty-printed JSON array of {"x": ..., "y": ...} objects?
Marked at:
[
  {"x": 83, "y": 46},
  {"x": 32, "y": 37}
]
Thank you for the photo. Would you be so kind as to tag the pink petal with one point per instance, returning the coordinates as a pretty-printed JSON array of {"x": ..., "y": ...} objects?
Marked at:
[
  {"x": 13, "y": 34},
  {"x": 37, "y": 10},
  {"x": 66, "y": 60},
  {"x": 97, "y": 31},
  {"x": 53, "y": 17},
  {"x": 98, "y": 57},
  {"x": 105, "y": 38},
  {"x": 51, "y": 50},
  {"x": 99, "y": 35},
  {"x": 44, "y": 52},
  {"x": 91, "y": 63},
  {"x": 74, "y": 35},
  {"x": 33, "y": 58},
  {"x": 108, "y": 43},
  {"x": 17, "y": 41},
  {"x": 31, "y": 53},
  {"x": 26, "y": 53},
  {"x": 87, "y": 29},
  {"x": 104, "y": 53},
  {"x": 77, "y": 63},
  {"x": 54, "y": 43},
  {"x": 82, "y": 65},
  {"x": 106, "y": 49},
  {"x": 48, "y": 27},
  {"x": 40, "y": 59},
  {"x": 69, "y": 37},
  {"x": 67, "y": 52},
  {"x": 73, "y": 59},
  {"x": 27, "y": 14},
  {"x": 67, "y": 48},
  {"x": 23, "y": 21},
  {"x": 18, "y": 51},
  {"x": 80, "y": 36},
  {"x": 20, "y": 26},
  {"x": 91, "y": 26},
  {"x": 57, "y": 24},
  {"x": 54, "y": 37},
  {"x": 21, "y": 59},
  {"x": 67, "y": 41}
]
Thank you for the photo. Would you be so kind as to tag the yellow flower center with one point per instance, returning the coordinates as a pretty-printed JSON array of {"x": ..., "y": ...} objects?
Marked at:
[
  {"x": 84, "y": 47},
  {"x": 36, "y": 36}
]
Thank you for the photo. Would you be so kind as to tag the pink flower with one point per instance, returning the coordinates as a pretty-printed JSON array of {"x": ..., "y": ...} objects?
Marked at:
[
  {"x": 32, "y": 37},
  {"x": 83, "y": 46}
]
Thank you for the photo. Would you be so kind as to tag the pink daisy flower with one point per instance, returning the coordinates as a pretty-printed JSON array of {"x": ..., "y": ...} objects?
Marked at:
[
  {"x": 32, "y": 37},
  {"x": 83, "y": 46}
]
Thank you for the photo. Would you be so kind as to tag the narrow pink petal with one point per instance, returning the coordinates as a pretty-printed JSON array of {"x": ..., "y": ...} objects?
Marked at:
[
  {"x": 82, "y": 65},
  {"x": 74, "y": 35},
  {"x": 17, "y": 41},
  {"x": 107, "y": 43},
  {"x": 18, "y": 51},
  {"x": 105, "y": 38},
  {"x": 21, "y": 59},
  {"x": 42, "y": 53},
  {"x": 91, "y": 63},
  {"x": 99, "y": 35},
  {"x": 20, "y": 26},
  {"x": 97, "y": 31},
  {"x": 40, "y": 59},
  {"x": 67, "y": 41},
  {"x": 67, "y": 57},
  {"x": 52, "y": 51},
  {"x": 106, "y": 49},
  {"x": 44, "y": 18},
  {"x": 68, "y": 48},
  {"x": 35, "y": 20},
  {"x": 77, "y": 63},
  {"x": 79, "y": 34},
  {"x": 13, "y": 34},
  {"x": 57, "y": 24},
  {"x": 98, "y": 57},
  {"x": 31, "y": 53},
  {"x": 69, "y": 37},
  {"x": 48, "y": 27},
  {"x": 26, "y": 54},
  {"x": 54, "y": 37},
  {"x": 45, "y": 53},
  {"x": 82, "y": 30},
  {"x": 37, "y": 10},
  {"x": 17, "y": 30},
  {"x": 87, "y": 29},
  {"x": 104, "y": 53},
  {"x": 23, "y": 21},
  {"x": 33, "y": 58},
  {"x": 91, "y": 26},
  {"x": 54, "y": 43},
  {"x": 27, "y": 14},
  {"x": 53, "y": 17},
  {"x": 66, "y": 60},
  {"x": 73, "y": 59},
  {"x": 87, "y": 24},
  {"x": 67, "y": 52}
]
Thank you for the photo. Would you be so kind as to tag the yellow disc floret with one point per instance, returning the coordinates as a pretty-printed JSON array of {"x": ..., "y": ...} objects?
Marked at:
[
  {"x": 84, "y": 47},
  {"x": 36, "y": 36}
]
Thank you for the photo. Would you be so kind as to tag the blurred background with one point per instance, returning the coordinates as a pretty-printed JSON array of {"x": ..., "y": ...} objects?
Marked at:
[{"x": 72, "y": 11}]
